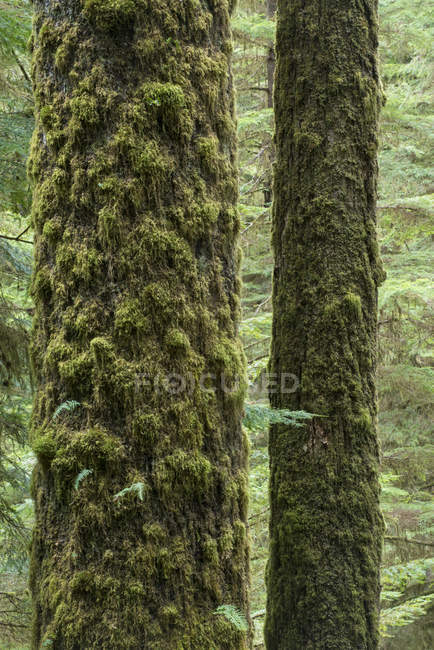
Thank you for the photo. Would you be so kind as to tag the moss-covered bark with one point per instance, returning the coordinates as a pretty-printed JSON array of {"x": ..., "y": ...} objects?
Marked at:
[
  {"x": 136, "y": 276},
  {"x": 326, "y": 527}
]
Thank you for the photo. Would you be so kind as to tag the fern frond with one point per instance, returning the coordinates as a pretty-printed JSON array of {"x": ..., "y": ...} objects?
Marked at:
[
  {"x": 81, "y": 476},
  {"x": 135, "y": 488},
  {"x": 69, "y": 406},
  {"x": 234, "y": 616},
  {"x": 258, "y": 417}
]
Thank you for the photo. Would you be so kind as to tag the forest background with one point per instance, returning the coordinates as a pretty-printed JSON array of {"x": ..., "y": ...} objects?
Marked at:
[{"x": 406, "y": 374}]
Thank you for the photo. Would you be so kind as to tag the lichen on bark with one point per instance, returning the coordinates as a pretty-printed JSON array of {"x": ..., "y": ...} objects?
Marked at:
[
  {"x": 326, "y": 527},
  {"x": 136, "y": 277}
]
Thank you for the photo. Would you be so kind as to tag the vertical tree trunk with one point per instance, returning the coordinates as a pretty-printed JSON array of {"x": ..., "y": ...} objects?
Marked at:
[
  {"x": 271, "y": 58},
  {"x": 326, "y": 527},
  {"x": 140, "y": 489},
  {"x": 271, "y": 66}
]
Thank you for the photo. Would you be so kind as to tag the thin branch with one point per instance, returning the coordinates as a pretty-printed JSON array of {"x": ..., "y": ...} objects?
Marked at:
[
  {"x": 405, "y": 540},
  {"x": 399, "y": 207},
  {"x": 255, "y": 221},
  {"x": 261, "y": 356},
  {"x": 251, "y": 345},
  {"x": 18, "y": 237},
  {"x": 259, "y": 514},
  {"x": 22, "y": 68},
  {"x": 262, "y": 304},
  {"x": 7, "y": 625}
]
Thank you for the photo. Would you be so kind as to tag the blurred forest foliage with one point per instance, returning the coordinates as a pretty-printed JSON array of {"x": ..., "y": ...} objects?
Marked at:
[{"x": 406, "y": 375}]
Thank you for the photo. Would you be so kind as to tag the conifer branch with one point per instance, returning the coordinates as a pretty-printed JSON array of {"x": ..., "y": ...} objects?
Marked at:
[{"x": 18, "y": 237}]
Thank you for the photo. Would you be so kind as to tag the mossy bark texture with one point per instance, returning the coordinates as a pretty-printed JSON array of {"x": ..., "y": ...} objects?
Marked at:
[
  {"x": 136, "y": 278},
  {"x": 326, "y": 527}
]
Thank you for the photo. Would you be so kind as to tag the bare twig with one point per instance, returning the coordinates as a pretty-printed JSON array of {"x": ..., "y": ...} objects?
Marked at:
[
  {"x": 22, "y": 68},
  {"x": 265, "y": 90},
  {"x": 259, "y": 514},
  {"x": 18, "y": 237},
  {"x": 262, "y": 304},
  {"x": 255, "y": 221},
  {"x": 261, "y": 356},
  {"x": 251, "y": 345},
  {"x": 405, "y": 540},
  {"x": 399, "y": 207}
]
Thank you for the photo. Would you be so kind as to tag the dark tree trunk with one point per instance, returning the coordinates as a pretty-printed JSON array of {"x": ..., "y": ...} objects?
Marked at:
[
  {"x": 326, "y": 527},
  {"x": 136, "y": 278}
]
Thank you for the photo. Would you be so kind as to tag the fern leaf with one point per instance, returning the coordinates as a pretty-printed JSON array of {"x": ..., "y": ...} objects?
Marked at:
[
  {"x": 234, "y": 616},
  {"x": 68, "y": 406},
  {"x": 81, "y": 476},
  {"x": 135, "y": 488},
  {"x": 258, "y": 417}
]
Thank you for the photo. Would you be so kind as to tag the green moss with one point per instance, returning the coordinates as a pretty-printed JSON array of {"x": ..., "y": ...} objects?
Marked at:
[
  {"x": 102, "y": 351},
  {"x": 109, "y": 224},
  {"x": 353, "y": 305},
  {"x": 169, "y": 615},
  {"x": 57, "y": 350},
  {"x": 95, "y": 446},
  {"x": 177, "y": 340},
  {"x": 45, "y": 448},
  {"x": 65, "y": 50},
  {"x": 82, "y": 582},
  {"x": 83, "y": 320},
  {"x": 184, "y": 472},
  {"x": 169, "y": 97},
  {"x": 130, "y": 321},
  {"x": 109, "y": 14},
  {"x": 324, "y": 492},
  {"x": 76, "y": 373},
  {"x": 209, "y": 153},
  {"x": 210, "y": 551},
  {"x": 41, "y": 284},
  {"x": 52, "y": 230},
  {"x": 133, "y": 166},
  {"x": 46, "y": 115},
  {"x": 84, "y": 108},
  {"x": 152, "y": 164},
  {"x": 167, "y": 103}
]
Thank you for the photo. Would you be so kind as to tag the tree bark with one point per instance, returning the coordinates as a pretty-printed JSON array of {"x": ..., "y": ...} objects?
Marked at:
[
  {"x": 140, "y": 487},
  {"x": 326, "y": 528}
]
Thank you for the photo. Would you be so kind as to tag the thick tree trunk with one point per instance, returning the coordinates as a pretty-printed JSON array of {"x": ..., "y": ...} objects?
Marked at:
[
  {"x": 326, "y": 527},
  {"x": 136, "y": 279}
]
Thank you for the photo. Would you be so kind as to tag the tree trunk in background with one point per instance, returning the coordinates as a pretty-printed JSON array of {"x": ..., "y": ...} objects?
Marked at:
[
  {"x": 271, "y": 65},
  {"x": 271, "y": 58},
  {"x": 326, "y": 527},
  {"x": 136, "y": 277}
]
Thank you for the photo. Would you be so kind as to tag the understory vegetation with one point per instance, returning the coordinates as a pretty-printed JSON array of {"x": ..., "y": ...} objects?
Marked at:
[{"x": 406, "y": 372}]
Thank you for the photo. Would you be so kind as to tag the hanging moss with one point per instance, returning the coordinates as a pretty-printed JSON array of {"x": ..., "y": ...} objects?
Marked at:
[
  {"x": 136, "y": 279},
  {"x": 326, "y": 528}
]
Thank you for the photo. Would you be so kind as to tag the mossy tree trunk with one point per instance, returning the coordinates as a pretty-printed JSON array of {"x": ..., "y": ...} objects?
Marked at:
[
  {"x": 136, "y": 278},
  {"x": 326, "y": 527}
]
